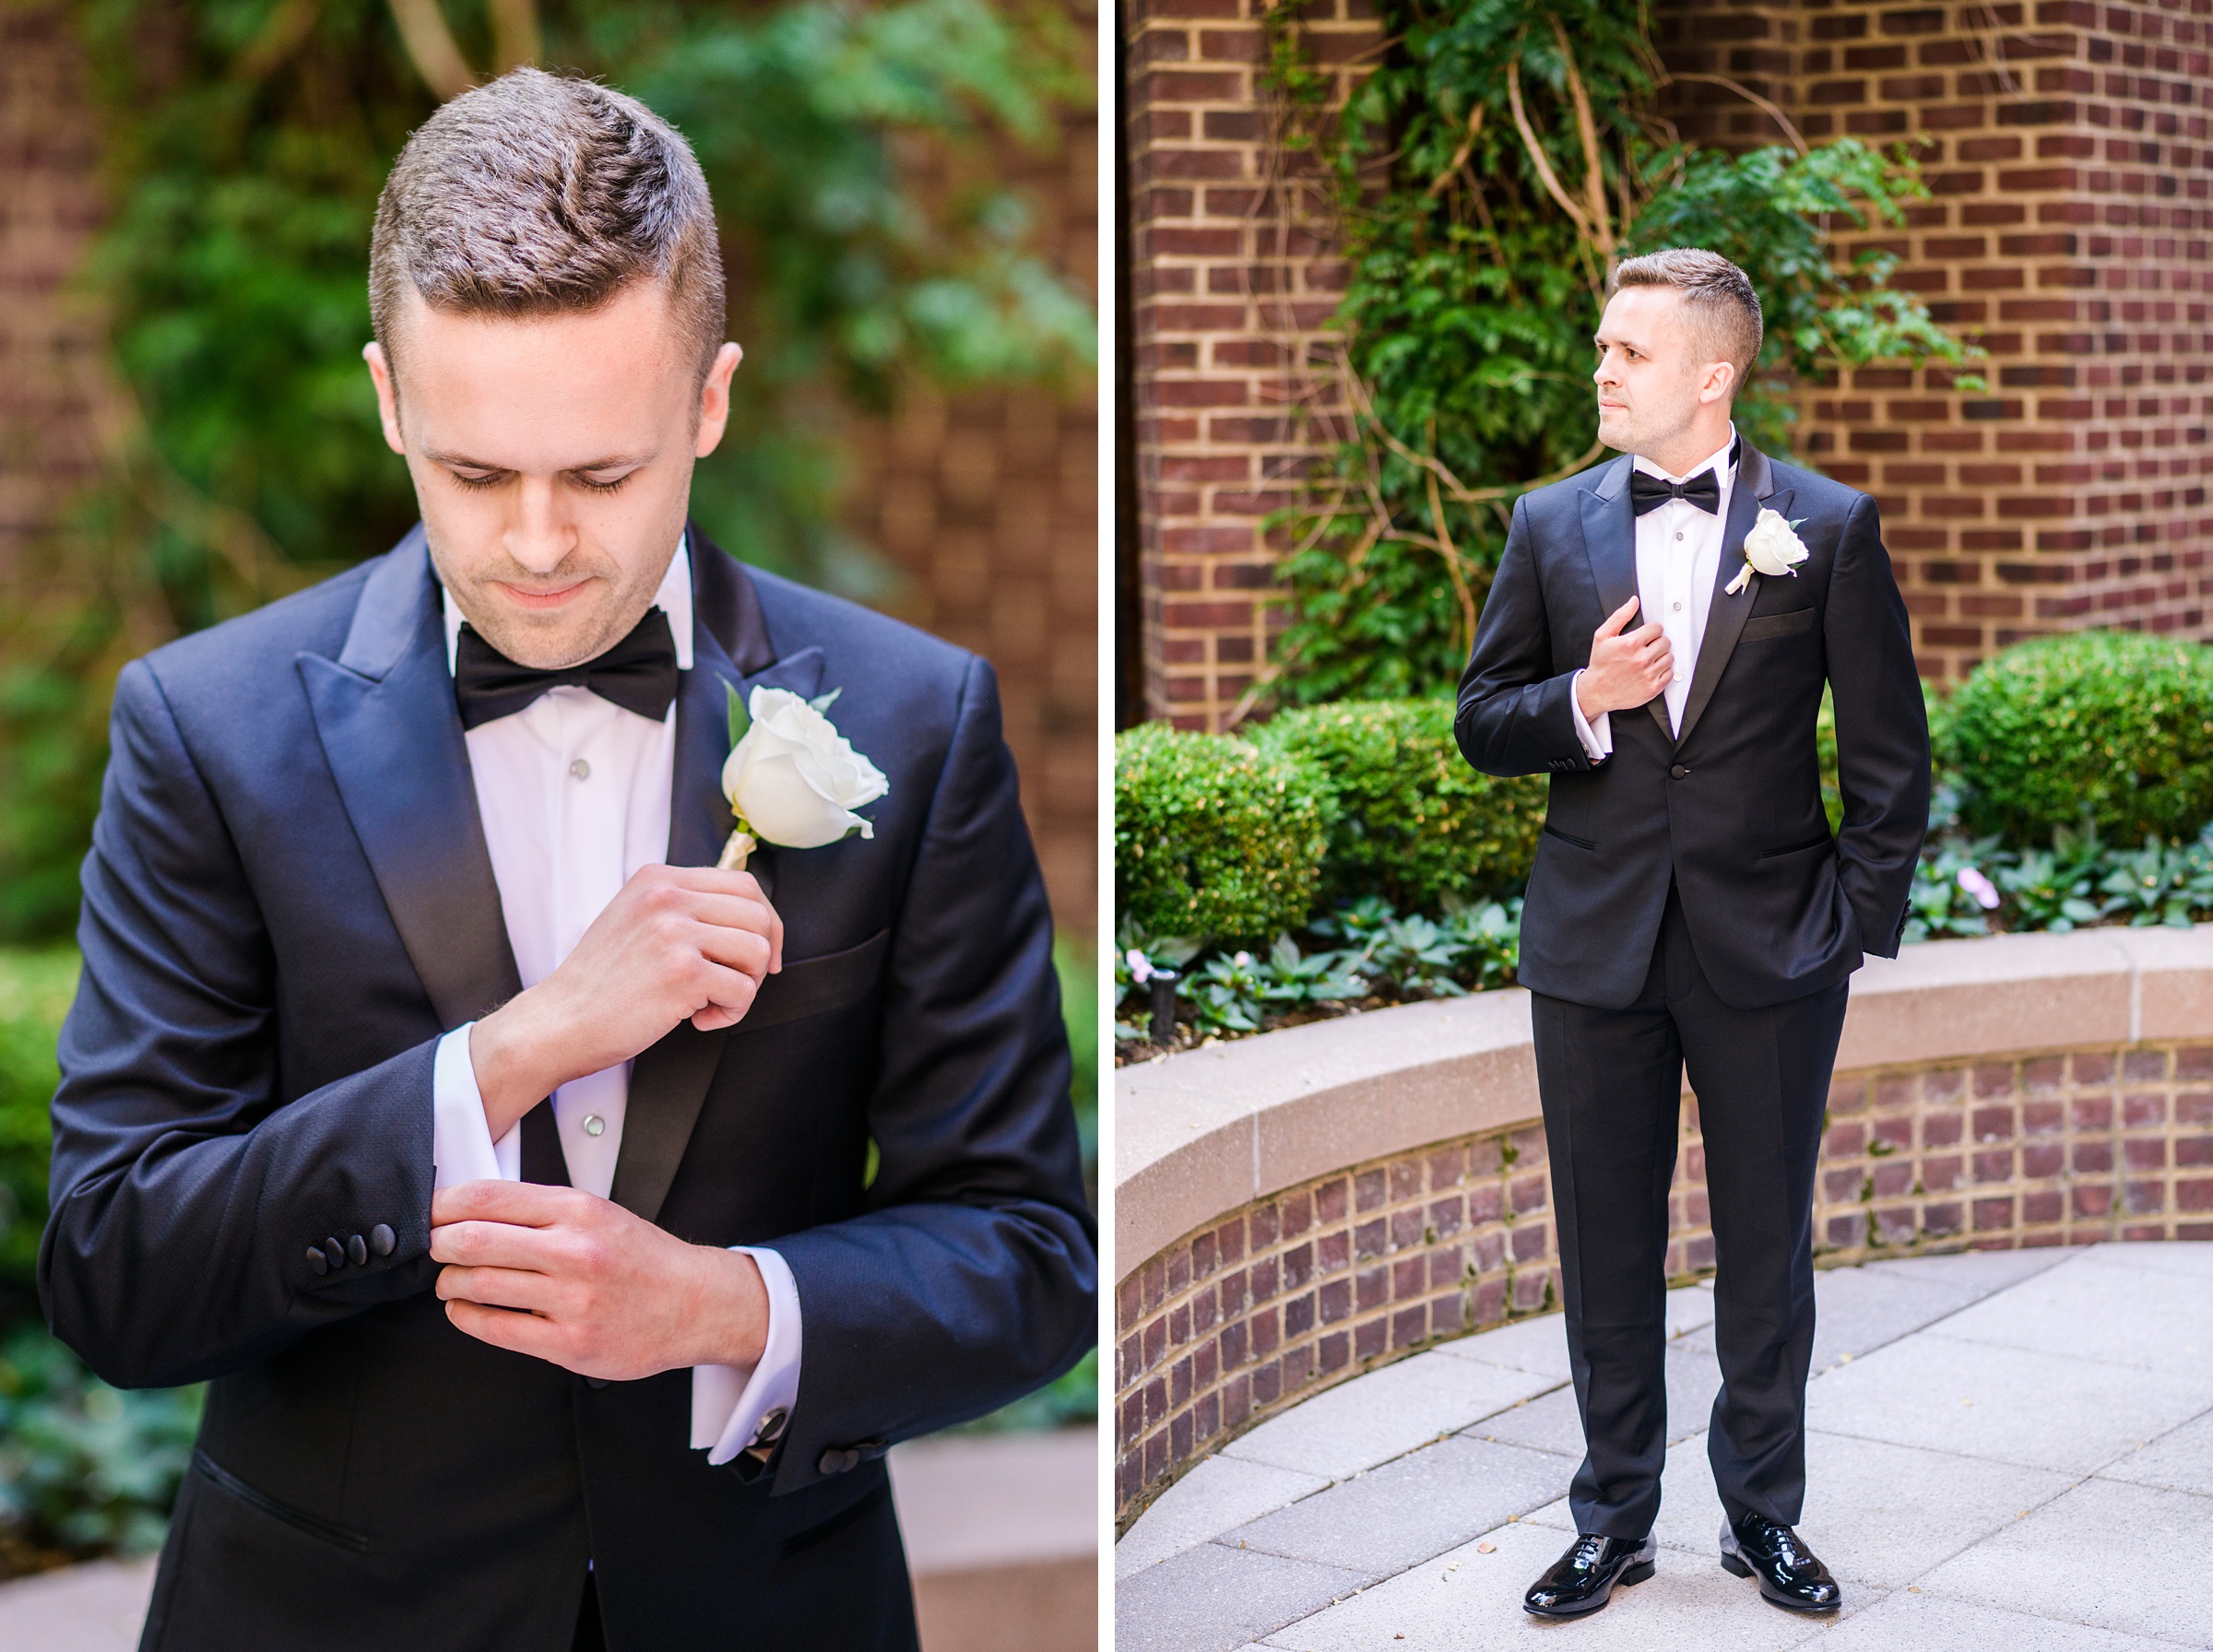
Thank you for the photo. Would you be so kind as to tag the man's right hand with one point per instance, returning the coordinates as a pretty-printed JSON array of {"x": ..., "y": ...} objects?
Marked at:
[
  {"x": 676, "y": 943},
  {"x": 1626, "y": 669}
]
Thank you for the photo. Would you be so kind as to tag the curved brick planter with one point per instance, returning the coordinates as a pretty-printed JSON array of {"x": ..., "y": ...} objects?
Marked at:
[{"x": 1293, "y": 1208}]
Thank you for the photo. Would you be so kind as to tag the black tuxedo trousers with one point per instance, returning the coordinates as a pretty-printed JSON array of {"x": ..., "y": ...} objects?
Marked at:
[{"x": 1612, "y": 1083}]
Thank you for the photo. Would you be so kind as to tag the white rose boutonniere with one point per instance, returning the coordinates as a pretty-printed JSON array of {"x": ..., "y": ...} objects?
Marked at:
[
  {"x": 791, "y": 778},
  {"x": 1772, "y": 546}
]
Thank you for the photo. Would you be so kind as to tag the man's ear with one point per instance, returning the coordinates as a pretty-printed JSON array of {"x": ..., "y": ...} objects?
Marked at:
[
  {"x": 714, "y": 400},
  {"x": 1720, "y": 382},
  {"x": 388, "y": 395}
]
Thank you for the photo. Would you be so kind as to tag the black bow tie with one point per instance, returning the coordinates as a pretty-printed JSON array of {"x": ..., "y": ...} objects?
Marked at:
[
  {"x": 1649, "y": 492},
  {"x": 637, "y": 674}
]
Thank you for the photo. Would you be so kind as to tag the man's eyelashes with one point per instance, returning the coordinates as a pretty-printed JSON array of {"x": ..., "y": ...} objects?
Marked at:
[{"x": 496, "y": 478}]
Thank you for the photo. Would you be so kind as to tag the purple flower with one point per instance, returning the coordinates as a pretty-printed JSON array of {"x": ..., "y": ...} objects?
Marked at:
[
  {"x": 1983, "y": 890},
  {"x": 1141, "y": 967}
]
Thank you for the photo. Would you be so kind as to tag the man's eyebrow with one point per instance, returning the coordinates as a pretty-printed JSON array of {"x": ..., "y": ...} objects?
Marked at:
[{"x": 462, "y": 462}]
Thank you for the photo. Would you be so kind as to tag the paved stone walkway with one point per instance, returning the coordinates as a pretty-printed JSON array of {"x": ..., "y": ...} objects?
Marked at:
[{"x": 2009, "y": 1450}]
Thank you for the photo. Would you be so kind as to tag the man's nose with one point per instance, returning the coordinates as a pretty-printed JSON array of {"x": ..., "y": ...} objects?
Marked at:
[{"x": 539, "y": 535}]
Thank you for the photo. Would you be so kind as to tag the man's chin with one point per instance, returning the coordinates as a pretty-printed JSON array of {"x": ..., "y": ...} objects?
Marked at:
[{"x": 549, "y": 641}]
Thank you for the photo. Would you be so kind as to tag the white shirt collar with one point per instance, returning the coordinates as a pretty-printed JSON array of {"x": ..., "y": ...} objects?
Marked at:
[
  {"x": 1716, "y": 461},
  {"x": 673, "y": 598}
]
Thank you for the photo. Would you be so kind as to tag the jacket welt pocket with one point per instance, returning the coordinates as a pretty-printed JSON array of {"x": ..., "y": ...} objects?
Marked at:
[
  {"x": 297, "y": 1518},
  {"x": 1762, "y": 628},
  {"x": 859, "y": 1509},
  {"x": 817, "y": 986},
  {"x": 1823, "y": 841},
  {"x": 1566, "y": 837}
]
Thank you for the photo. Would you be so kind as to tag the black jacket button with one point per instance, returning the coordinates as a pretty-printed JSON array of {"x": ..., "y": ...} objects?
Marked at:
[
  {"x": 357, "y": 1251},
  {"x": 317, "y": 1260},
  {"x": 1680, "y": 773},
  {"x": 381, "y": 1240},
  {"x": 836, "y": 1461},
  {"x": 336, "y": 1252}
]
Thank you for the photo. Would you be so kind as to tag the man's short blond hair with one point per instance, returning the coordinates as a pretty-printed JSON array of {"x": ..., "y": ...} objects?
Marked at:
[
  {"x": 1718, "y": 297},
  {"x": 538, "y": 194}
]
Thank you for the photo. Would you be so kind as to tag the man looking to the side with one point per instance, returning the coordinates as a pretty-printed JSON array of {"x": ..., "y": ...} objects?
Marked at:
[
  {"x": 1689, "y": 905},
  {"x": 567, "y": 1226}
]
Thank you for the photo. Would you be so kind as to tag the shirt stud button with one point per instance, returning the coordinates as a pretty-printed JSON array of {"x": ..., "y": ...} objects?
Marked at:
[
  {"x": 582, "y": 769},
  {"x": 1678, "y": 607},
  {"x": 594, "y": 1124}
]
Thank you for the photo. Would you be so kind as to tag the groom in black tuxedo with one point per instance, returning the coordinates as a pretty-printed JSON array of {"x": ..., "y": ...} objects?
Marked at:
[
  {"x": 565, "y": 1227},
  {"x": 1689, "y": 905}
]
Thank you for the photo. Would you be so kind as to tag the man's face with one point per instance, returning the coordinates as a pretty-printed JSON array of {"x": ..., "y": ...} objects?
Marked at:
[
  {"x": 1653, "y": 373},
  {"x": 552, "y": 458}
]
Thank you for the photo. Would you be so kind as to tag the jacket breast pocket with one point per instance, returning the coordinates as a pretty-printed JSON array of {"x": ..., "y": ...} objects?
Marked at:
[
  {"x": 1766, "y": 628},
  {"x": 817, "y": 986}
]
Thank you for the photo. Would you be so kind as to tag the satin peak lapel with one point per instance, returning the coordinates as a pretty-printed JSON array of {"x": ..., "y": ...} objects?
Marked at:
[
  {"x": 1610, "y": 540},
  {"x": 1725, "y": 615},
  {"x": 391, "y": 733},
  {"x": 669, "y": 1081}
]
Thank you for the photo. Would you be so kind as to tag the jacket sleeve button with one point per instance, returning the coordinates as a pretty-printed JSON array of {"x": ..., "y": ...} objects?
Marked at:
[
  {"x": 381, "y": 1240},
  {"x": 336, "y": 1252},
  {"x": 357, "y": 1251},
  {"x": 317, "y": 1260}
]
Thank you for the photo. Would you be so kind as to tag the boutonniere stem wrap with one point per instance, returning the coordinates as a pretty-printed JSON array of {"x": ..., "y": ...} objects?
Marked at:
[
  {"x": 792, "y": 779},
  {"x": 1771, "y": 546}
]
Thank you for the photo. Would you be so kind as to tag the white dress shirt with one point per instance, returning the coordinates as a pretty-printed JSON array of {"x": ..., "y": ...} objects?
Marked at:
[
  {"x": 573, "y": 793},
  {"x": 1678, "y": 556}
]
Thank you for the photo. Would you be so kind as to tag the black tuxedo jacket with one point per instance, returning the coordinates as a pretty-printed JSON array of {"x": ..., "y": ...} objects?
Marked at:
[
  {"x": 288, "y": 899},
  {"x": 1730, "y": 809}
]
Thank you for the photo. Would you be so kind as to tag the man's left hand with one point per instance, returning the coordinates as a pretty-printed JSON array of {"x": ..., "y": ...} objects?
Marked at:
[{"x": 601, "y": 1291}]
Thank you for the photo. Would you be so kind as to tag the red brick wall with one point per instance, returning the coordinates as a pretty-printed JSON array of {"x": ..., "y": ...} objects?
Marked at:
[
  {"x": 2068, "y": 151},
  {"x": 49, "y": 208},
  {"x": 1231, "y": 286},
  {"x": 2066, "y": 146},
  {"x": 988, "y": 503}
]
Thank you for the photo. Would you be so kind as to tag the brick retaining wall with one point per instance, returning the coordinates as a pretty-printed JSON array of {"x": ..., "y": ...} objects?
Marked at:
[{"x": 1269, "y": 1304}]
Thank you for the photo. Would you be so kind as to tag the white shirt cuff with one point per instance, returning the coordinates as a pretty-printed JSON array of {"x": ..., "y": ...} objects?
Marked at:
[
  {"x": 461, "y": 1144},
  {"x": 1597, "y": 738},
  {"x": 729, "y": 1402}
]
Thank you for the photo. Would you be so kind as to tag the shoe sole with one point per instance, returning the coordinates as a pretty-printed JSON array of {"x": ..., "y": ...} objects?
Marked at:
[
  {"x": 1730, "y": 1563},
  {"x": 1633, "y": 1573}
]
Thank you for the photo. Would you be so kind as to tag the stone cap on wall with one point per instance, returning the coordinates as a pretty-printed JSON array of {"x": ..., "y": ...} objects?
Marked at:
[{"x": 1212, "y": 1129}]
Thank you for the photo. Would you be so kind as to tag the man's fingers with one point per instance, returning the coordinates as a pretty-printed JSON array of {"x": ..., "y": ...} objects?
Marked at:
[
  {"x": 524, "y": 1204},
  {"x": 497, "y": 1287},
  {"x": 1617, "y": 619},
  {"x": 521, "y": 1333},
  {"x": 496, "y": 1245}
]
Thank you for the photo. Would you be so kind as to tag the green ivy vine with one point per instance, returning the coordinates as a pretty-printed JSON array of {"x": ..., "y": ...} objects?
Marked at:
[
  {"x": 246, "y": 142},
  {"x": 1481, "y": 183}
]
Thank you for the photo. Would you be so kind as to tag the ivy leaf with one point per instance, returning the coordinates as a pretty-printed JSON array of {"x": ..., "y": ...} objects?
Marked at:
[{"x": 740, "y": 719}]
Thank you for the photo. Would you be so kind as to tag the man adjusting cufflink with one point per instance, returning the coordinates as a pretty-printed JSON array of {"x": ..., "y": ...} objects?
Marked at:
[
  {"x": 574, "y": 1139},
  {"x": 1657, "y": 639}
]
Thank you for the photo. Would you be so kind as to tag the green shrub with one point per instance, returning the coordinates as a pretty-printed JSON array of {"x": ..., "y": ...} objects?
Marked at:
[
  {"x": 1415, "y": 823},
  {"x": 1214, "y": 838},
  {"x": 35, "y": 989},
  {"x": 85, "y": 1469},
  {"x": 2108, "y": 724}
]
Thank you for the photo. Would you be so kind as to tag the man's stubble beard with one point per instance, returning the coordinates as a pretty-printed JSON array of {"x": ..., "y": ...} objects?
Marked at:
[{"x": 561, "y": 640}]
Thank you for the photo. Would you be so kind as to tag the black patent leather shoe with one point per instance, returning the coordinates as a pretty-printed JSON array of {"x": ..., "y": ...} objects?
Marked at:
[
  {"x": 1791, "y": 1576},
  {"x": 1583, "y": 1579}
]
